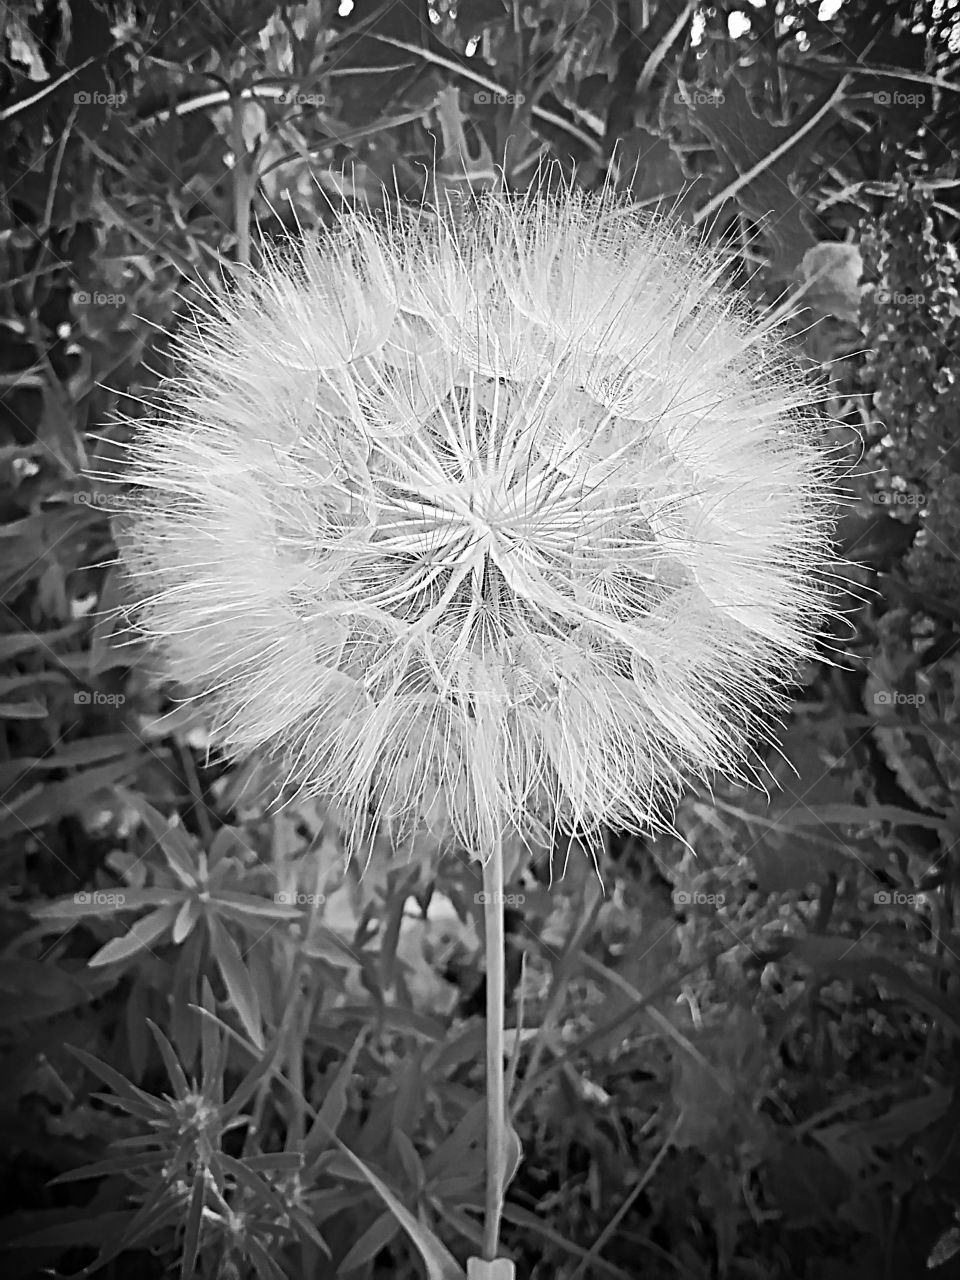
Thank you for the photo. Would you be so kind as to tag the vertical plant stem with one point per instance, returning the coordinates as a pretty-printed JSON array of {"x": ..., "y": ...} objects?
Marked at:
[
  {"x": 496, "y": 1097},
  {"x": 242, "y": 185}
]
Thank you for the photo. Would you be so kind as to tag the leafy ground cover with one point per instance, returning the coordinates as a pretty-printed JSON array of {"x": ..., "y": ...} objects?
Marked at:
[{"x": 226, "y": 1057}]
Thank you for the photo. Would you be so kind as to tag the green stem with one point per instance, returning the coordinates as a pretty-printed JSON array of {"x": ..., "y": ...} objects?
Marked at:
[
  {"x": 243, "y": 166},
  {"x": 496, "y": 1097}
]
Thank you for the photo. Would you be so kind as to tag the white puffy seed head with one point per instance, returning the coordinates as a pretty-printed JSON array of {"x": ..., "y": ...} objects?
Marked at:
[{"x": 497, "y": 522}]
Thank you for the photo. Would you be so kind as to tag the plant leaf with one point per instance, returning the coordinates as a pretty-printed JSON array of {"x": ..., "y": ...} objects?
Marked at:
[
  {"x": 377, "y": 1236},
  {"x": 237, "y": 980},
  {"x": 440, "y": 1263},
  {"x": 138, "y": 938},
  {"x": 191, "y": 1228},
  {"x": 102, "y": 903},
  {"x": 177, "y": 846},
  {"x": 334, "y": 1104}
]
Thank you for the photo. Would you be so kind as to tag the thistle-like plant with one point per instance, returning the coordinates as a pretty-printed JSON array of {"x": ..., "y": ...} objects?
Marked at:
[
  {"x": 503, "y": 522},
  {"x": 177, "y": 1172}
]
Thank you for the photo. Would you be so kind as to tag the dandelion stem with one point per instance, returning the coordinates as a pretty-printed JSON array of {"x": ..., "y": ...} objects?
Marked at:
[{"x": 496, "y": 1099}]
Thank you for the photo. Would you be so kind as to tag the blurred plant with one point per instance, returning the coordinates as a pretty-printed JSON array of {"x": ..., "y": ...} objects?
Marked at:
[
  {"x": 227, "y": 1209},
  {"x": 911, "y": 320},
  {"x": 188, "y": 888}
]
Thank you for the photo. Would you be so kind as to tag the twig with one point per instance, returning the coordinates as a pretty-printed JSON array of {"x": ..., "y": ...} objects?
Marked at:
[
  {"x": 624, "y": 1209},
  {"x": 548, "y": 117},
  {"x": 744, "y": 179}
]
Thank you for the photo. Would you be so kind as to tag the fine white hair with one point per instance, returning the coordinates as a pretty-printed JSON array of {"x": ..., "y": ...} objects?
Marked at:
[{"x": 498, "y": 522}]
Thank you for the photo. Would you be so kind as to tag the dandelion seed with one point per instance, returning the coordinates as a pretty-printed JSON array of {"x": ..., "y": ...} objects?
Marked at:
[{"x": 502, "y": 523}]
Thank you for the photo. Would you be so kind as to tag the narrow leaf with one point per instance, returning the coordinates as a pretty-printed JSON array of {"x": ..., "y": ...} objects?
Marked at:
[
  {"x": 186, "y": 920},
  {"x": 100, "y": 902},
  {"x": 120, "y": 1085},
  {"x": 440, "y": 1263},
  {"x": 140, "y": 936},
  {"x": 191, "y": 1229},
  {"x": 170, "y": 1060},
  {"x": 377, "y": 1236},
  {"x": 178, "y": 848},
  {"x": 28, "y": 709},
  {"x": 240, "y": 988},
  {"x": 335, "y": 1101}
]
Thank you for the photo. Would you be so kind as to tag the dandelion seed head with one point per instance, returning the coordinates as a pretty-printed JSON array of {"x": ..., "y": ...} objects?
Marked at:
[{"x": 494, "y": 524}]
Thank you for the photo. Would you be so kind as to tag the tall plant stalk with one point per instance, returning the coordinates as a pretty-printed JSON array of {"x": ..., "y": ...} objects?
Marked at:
[{"x": 496, "y": 1095}]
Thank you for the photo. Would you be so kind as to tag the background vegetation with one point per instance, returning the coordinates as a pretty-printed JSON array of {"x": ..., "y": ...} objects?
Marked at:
[{"x": 739, "y": 1065}]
